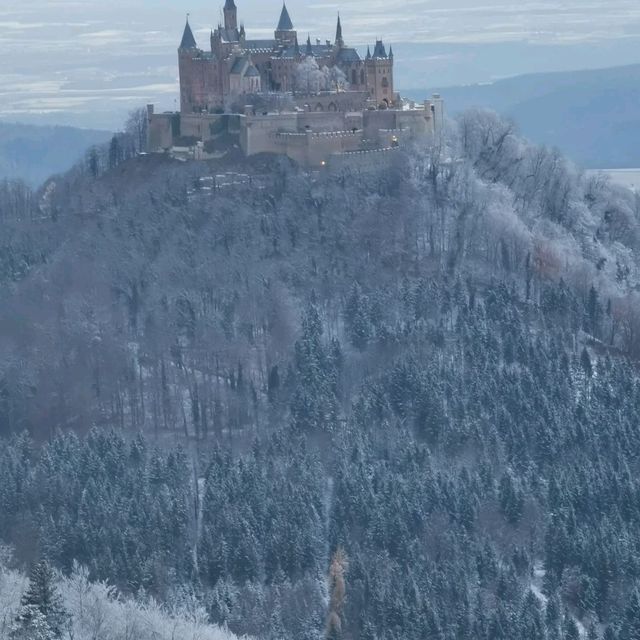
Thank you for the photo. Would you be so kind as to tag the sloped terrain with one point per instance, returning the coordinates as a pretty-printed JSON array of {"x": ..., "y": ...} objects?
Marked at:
[{"x": 375, "y": 404}]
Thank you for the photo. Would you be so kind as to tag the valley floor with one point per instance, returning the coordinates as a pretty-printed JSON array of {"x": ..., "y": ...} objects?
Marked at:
[{"x": 626, "y": 177}]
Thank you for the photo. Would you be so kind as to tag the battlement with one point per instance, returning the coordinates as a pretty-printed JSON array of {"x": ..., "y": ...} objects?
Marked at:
[
  {"x": 311, "y": 138},
  {"x": 318, "y": 134}
]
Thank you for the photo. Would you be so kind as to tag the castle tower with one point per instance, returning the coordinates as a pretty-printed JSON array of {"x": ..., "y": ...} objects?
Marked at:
[
  {"x": 379, "y": 69},
  {"x": 230, "y": 16},
  {"x": 188, "y": 42},
  {"x": 285, "y": 33},
  {"x": 186, "y": 51}
]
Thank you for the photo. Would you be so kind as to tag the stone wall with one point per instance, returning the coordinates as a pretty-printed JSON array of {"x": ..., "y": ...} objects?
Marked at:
[
  {"x": 331, "y": 101},
  {"x": 308, "y": 137}
]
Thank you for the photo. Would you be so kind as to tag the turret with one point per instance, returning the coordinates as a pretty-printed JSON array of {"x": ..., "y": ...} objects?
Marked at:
[
  {"x": 230, "y": 15},
  {"x": 379, "y": 50},
  {"x": 339, "y": 39},
  {"x": 379, "y": 71},
  {"x": 285, "y": 33},
  {"x": 309, "y": 50},
  {"x": 187, "y": 51},
  {"x": 188, "y": 42}
]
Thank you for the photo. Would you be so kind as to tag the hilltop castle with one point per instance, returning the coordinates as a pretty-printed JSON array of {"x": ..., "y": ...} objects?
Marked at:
[
  {"x": 317, "y": 103},
  {"x": 236, "y": 65}
]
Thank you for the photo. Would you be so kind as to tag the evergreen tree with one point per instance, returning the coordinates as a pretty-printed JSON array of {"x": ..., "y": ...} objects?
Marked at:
[{"x": 41, "y": 612}]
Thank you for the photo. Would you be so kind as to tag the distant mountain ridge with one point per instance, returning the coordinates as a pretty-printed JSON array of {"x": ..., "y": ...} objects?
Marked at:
[
  {"x": 32, "y": 153},
  {"x": 593, "y": 115}
]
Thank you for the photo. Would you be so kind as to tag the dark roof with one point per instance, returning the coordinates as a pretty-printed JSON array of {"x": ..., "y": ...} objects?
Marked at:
[
  {"x": 252, "y": 72},
  {"x": 315, "y": 50},
  {"x": 285, "y": 23},
  {"x": 230, "y": 4},
  {"x": 347, "y": 55},
  {"x": 238, "y": 65},
  {"x": 229, "y": 35},
  {"x": 339, "y": 31},
  {"x": 287, "y": 52},
  {"x": 309, "y": 50},
  {"x": 321, "y": 50},
  {"x": 379, "y": 51},
  {"x": 259, "y": 45},
  {"x": 188, "y": 41}
]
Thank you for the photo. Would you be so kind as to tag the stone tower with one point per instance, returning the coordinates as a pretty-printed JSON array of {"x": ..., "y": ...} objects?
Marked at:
[
  {"x": 285, "y": 33},
  {"x": 230, "y": 16},
  {"x": 379, "y": 69},
  {"x": 188, "y": 47}
]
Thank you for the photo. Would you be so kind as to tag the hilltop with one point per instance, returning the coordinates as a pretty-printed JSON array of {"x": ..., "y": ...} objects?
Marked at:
[{"x": 422, "y": 375}]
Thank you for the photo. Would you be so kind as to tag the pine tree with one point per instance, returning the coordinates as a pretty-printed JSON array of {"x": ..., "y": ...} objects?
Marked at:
[
  {"x": 571, "y": 631},
  {"x": 631, "y": 622},
  {"x": 42, "y": 613}
]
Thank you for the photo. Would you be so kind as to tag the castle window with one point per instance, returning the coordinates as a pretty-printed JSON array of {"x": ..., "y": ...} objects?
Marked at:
[
  {"x": 362, "y": 77},
  {"x": 354, "y": 77},
  {"x": 385, "y": 83}
]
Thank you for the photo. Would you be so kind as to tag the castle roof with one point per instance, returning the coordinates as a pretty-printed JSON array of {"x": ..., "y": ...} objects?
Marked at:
[
  {"x": 252, "y": 72},
  {"x": 309, "y": 50},
  {"x": 262, "y": 46},
  {"x": 229, "y": 35},
  {"x": 348, "y": 55},
  {"x": 188, "y": 41},
  {"x": 339, "y": 32},
  {"x": 285, "y": 23},
  {"x": 230, "y": 4},
  {"x": 320, "y": 50},
  {"x": 379, "y": 50}
]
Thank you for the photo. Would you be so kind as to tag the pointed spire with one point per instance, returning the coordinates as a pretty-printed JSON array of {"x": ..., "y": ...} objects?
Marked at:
[
  {"x": 390, "y": 51},
  {"x": 339, "y": 40},
  {"x": 379, "y": 51},
  {"x": 285, "y": 24},
  {"x": 368, "y": 52},
  {"x": 309, "y": 51},
  {"x": 188, "y": 41},
  {"x": 229, "y": 4}
]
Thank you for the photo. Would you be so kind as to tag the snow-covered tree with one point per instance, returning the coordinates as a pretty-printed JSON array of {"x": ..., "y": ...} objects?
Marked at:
[{"x": 42, "y": 614}]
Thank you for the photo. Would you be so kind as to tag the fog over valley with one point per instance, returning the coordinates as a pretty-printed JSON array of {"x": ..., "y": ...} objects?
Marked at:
[{"x": 87, "y": 63}]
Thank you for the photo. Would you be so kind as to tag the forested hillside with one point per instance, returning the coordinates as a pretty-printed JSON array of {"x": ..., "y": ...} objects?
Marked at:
[{"x": 395, "y": 404}]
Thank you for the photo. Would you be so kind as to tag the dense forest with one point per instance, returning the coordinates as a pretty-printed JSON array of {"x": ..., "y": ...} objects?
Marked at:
[{"x": 388, "y": 403}]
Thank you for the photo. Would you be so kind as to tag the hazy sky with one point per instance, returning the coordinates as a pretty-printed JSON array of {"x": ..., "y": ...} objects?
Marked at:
[{"x": 89, "y": 61}]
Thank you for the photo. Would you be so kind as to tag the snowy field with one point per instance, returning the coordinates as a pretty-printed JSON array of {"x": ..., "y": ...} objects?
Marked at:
[{"x": 626, "y": 177}]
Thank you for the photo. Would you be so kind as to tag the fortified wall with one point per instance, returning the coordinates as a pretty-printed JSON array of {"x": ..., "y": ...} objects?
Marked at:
[{"x": 311, "y": 138}]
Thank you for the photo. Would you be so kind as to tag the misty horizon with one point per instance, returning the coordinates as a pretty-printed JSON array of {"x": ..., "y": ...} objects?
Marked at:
[{"x": 87, "y": 64}]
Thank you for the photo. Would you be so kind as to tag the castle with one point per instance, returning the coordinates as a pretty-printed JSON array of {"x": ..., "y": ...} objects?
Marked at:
[
  {"x": 236, "y": 65},
  {"x": 316, "y": 102}
]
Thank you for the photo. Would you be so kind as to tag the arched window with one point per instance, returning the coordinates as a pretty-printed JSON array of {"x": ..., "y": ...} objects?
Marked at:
[
  {"x": 362, "y": 76},
  {"x": 354, "y": 76},
  {"x": 385, "y": 82}
]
